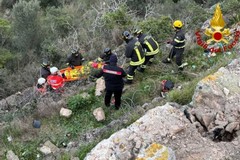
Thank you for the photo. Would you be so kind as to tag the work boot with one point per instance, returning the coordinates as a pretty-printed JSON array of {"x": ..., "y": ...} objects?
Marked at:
[
  {"x": 127, "y": 81},
  {"x": 139, "y": 69},
  {"x": 180, "y": 68},
  {"x": 167, "y": 60}
]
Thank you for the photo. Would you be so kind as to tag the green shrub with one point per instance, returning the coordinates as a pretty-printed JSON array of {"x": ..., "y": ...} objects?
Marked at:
[
  {"x": 57, "y": 23},
  {"x": 81, "y": 101},
  {"x": 183, "y": 96},
  {"x": 5, "y": 56},
  {"x": 118, "y": 17},
  {"x": 7, "y": 3},
  {"x": 26, "y": 26},
  {"x": 49, "y": 3},
  {"x": 159, "y": 28}
]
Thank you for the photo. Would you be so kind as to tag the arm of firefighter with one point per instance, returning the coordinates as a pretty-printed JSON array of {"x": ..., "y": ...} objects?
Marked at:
[
  {"x": 128, "y": 52},
  {"x": 99, "y": 74}
]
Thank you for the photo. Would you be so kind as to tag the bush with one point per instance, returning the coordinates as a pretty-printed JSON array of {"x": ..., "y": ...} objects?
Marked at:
[
  {"x": 80, "y": 101},
  {"x": 5, "y": 56},
  {"x": 26, "y": 31},
  {"x": 159, "y": 28},
  {"x": 49, "y": 3},
  {"x": 4, "y": 31},
  {"x": 118, "y": 17},
  {"x": 6, "y": 4}
]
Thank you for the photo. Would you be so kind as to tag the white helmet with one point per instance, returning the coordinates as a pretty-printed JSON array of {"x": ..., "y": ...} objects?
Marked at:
[
  {"x": 53, "y": 70},
  {"x": 41, "y": 81}
]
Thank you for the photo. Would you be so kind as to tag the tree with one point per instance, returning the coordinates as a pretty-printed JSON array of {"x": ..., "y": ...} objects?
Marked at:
[{"x": 26, "y": 26}]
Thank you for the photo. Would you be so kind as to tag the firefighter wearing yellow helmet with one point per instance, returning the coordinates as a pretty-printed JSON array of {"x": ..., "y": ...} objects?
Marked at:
[{"x": 178, "y": 44}]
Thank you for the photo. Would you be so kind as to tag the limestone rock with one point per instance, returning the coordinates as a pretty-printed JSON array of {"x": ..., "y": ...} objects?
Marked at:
[
  {"x": 100, "y": 86},
  {"x": 48, "y": 147},
  {"x": 12, "y": 156},
  {"x": 65, "y": 112},
  {"x": 99, "y": 114}
]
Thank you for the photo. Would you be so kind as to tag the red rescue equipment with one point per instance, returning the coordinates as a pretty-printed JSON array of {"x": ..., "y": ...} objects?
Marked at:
[{"x": 55, "y": 81}]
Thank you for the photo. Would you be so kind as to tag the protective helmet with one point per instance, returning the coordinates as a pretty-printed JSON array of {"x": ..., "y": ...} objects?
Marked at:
[
  {"x": 74, "y": 50},
  {"x": 126, "y": 35},
  {"x": 41, "y": 81},
  {"x": 45, "y": 63},
  {"x": 177, "y": 24},
  {"x": 107, "y": 50},
  {"x": 137, "y": 31},
  {"x": 53, "y": 70}
]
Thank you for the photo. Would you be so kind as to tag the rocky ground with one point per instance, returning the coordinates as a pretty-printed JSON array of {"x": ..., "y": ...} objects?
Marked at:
[{"x": 207, "y": 128}]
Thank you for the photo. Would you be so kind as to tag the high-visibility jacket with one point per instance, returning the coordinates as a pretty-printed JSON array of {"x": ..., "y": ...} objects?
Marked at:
[
  {"x": 150, "y": 46},
  {"x": 55, "y": 81},
  {"x": 179, "y": 40},
  {"x": 135, "y": 51}
]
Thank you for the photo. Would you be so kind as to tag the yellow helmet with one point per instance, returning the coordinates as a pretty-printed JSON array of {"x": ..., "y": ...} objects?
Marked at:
[{"x": 177, "y": 24}]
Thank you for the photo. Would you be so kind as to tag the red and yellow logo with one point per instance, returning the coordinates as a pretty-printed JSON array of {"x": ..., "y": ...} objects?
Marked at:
[{"x": 218, "y": 34}]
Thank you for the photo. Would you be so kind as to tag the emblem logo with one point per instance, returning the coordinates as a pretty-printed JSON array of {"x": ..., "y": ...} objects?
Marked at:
[{"x": 218, "y": 34}]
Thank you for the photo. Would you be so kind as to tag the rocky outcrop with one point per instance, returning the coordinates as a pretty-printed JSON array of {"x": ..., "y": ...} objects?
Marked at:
[
  {"x": 217, "y": 102},
  {"x": 184, "y": 132}
]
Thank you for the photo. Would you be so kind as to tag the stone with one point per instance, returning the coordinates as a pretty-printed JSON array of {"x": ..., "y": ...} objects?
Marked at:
[
  {"x": 226, "y": 91},
  {"x": 45, "y": 150},
  {"x": 64, "y": 112},
  {"x": 52, "y": 147},
  {"x": 99, "y": 114},
  {"x": 11, "y": 155},
  {"x": 100, "y": 86},
  {"x": 207, "y": 119},
  {"x": 231, "y": 126}
]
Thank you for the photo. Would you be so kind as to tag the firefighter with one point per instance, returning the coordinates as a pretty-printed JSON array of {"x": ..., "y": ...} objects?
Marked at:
[
  {"x": 45, "y": 69},
  {"x": 42, "y": 85},
  {"x": 178, "y": 44},
  {"x": 113, "y": 76},
  {"x": 134, "y": 51},
  {"x": 75, "y": 58},
  {"x": 55, "y": 80},
  {"x": 150, "y": 47},
  {"x": 107, "y": 52}
]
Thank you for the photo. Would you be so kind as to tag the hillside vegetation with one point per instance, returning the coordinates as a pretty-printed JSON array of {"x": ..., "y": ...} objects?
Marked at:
[{"x": 33, "y": 30}]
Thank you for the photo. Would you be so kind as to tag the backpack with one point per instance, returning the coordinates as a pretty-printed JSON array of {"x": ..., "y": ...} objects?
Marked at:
[{"x": 167, "y": 85}]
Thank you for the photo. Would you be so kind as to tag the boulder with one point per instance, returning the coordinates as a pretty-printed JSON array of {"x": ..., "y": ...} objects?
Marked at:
[
  {"x": 65, "y": 112},
  {"x": 99, "y": 114},
  {"x": 100, "y": 86}
]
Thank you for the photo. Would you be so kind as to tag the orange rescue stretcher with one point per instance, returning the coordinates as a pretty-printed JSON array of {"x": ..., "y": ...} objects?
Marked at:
[{"x": 79, "y": 72}]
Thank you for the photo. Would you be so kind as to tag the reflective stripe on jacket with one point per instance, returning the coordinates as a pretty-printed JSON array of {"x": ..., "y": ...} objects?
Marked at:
[
  {"x": 179, "y": 40},
  {"x": 135, "y": 51},
  {"x": 149, "y": 44}
]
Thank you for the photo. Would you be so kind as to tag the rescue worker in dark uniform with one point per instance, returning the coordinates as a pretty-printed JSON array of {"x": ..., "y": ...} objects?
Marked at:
[
  {"x": 178, "y": 44},
  {"x": 113, "y": 76},
  {"x": 75, "y": 58},
  {"x": 105, "y": 56},
  {"x": 45, "y": 69},
  {"x": 150, "y": 47},
  {"x": 134, "y": 51}
]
